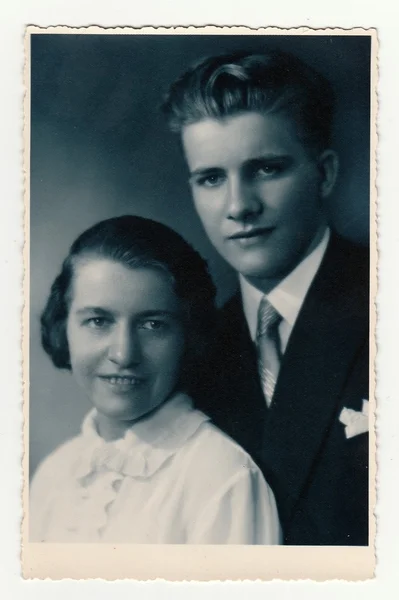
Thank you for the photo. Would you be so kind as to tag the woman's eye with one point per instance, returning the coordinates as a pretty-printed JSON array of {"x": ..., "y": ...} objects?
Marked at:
[
  {"x": 209, "y": 181},
  {"x": 97, "y": 322}
]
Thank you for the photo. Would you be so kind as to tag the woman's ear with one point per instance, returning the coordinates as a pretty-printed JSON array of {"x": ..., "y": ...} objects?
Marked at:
[{"x": 328, "y": 163}]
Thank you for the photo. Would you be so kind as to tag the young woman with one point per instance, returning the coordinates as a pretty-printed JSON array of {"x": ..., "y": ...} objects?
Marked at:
[{"x": 130, "y": 315}]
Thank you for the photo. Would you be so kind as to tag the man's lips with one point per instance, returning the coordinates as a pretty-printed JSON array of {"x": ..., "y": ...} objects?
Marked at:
[{"x": 250, "y": 233}]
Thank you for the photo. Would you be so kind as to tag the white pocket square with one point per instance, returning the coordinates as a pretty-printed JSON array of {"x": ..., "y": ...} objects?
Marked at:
[{"x": 355, "y": 421}]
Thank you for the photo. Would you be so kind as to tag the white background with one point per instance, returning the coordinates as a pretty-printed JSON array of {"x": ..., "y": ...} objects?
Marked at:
[{"x": 382, "y": 14}]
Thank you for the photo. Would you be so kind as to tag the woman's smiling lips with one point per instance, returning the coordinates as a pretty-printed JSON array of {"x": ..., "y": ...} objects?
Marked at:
[{"x": 123, "y": 382}]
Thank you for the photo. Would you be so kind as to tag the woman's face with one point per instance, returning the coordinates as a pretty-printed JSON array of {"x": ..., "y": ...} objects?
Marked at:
[{"x": 126, "y": 338}]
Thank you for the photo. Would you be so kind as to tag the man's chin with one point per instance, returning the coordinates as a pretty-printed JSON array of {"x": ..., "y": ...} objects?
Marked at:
[
  {"x": 273, "y": 267},
  {"x": 264, "y": 276},
  {"x": 259, "y": 270}
]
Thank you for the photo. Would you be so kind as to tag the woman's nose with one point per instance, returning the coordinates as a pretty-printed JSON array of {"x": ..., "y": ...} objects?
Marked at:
[
  {"x": 243, "y": 200},
  {"x": 124, "y": 348}
]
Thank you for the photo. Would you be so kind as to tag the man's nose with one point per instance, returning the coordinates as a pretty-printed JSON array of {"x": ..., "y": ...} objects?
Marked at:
[
  {"x": 243, "y": 201},
  {"x": 125, "y": 348}
]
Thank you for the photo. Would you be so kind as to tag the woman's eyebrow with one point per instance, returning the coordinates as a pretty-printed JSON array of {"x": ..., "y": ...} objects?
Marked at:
[
  {"x": 201, "y": 171},
  {"x": 97, "y": 310}
]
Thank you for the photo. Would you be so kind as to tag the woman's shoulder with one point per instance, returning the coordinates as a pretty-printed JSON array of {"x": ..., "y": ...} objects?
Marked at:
[
  {"x": 218, "y": 473},
  {"x": 211, "y": 448},
  {"x": 57, "y": 463}
]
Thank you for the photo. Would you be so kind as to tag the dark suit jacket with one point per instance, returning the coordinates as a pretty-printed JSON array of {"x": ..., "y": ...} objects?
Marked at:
[{"x": 320, "y": 478}]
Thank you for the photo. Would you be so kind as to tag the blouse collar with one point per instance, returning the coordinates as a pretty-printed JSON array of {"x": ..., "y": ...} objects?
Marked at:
[{"x": 145, "y": 446}]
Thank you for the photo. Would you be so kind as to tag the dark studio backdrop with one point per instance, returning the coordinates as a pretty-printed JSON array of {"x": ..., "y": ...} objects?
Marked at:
[{"x": 101, "y": 148}]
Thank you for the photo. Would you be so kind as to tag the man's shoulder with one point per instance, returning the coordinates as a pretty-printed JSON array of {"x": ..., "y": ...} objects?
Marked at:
[
  {"x": 345, "y": 263},
  {"x": 231, "y": 320},
  {"x": 233, "y": 306},
  {"x": 350, "y": 257},
  {"x": 344, "y": 274},
  {"x": 356, "y": 249}
]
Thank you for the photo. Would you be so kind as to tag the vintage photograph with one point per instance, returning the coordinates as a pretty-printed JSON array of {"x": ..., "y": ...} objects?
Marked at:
[{"x": 199, "y": 286}]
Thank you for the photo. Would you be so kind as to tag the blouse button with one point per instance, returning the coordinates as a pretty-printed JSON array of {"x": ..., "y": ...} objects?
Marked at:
[{"x": 116, "y": 485}]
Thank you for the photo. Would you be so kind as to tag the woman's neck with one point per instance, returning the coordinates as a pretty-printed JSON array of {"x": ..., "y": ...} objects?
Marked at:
[{"x": 111, "y": 429}]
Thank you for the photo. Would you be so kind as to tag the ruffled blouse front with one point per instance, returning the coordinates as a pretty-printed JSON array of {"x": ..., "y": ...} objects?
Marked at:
[{"x": 162, "y": 483}]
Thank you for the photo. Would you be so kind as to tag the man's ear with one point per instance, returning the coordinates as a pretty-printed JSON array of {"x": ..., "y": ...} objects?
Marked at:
[{"x": 328, "y": 163}]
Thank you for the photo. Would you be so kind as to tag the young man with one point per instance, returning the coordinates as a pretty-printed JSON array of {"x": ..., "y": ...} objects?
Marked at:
[{"x": 288, "y": 377}]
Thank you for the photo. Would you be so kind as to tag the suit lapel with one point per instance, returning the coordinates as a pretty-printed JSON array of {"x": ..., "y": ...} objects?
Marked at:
[
  {"x": 247, "y": 408},
  {"x": 329, "y": 330}
]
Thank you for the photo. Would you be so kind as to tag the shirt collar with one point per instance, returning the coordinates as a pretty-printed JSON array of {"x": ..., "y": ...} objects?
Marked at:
[{"x": 288, "y": 296}]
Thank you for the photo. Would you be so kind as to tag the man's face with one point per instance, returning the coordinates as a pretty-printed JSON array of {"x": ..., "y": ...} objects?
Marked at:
[{"x": 257, "y": 190}]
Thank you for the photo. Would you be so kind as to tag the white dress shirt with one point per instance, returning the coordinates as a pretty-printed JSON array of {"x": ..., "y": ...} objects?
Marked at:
[
  {"x": 288, "y": 296},
  {"x": 174, "y": 478}
]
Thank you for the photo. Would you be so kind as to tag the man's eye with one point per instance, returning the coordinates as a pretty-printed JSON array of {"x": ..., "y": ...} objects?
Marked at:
[
  {"x": 153, "y": 325},
  {"x": 268, "y": 170}
]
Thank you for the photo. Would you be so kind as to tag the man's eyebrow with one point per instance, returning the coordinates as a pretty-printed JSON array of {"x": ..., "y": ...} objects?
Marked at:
[
  {"x": 267, "y": 157},
  {"x": 159, "y": 313}
]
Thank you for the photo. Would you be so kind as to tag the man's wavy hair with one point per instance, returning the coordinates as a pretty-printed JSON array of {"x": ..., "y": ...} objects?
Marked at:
[
  {"x": 136, "y": 242},
  {"x": 272, "y": 82}
]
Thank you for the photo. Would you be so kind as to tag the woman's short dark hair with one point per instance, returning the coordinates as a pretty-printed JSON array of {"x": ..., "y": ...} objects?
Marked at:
[
  {"x": 271, "y": 82},
  {"x": 136, "y": 242}
]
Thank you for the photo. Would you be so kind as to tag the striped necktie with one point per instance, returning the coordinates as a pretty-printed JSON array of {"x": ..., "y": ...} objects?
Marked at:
[{"x": 268, "y": 347}]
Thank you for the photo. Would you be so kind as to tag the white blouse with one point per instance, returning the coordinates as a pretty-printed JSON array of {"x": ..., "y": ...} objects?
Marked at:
[{"x": 174, "y": 478}]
